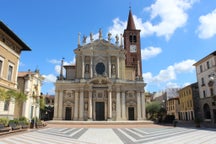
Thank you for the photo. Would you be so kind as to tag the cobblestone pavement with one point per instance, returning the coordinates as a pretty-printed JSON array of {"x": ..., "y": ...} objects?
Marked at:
[{"x": 115, "y": 135}]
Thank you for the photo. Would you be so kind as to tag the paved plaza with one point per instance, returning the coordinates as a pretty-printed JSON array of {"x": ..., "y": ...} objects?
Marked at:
[{"x": 117, "y": 135}]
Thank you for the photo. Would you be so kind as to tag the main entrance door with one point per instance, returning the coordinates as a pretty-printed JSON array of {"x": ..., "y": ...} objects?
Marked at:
[
  {"x": 100, "y": 111},
  {"x": 68, "y": 113},
  {"x": 131, "y": 113}
]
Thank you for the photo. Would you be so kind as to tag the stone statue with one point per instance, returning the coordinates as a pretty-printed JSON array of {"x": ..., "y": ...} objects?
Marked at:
[
  {"x": 109, "y": 36},
  {"x": 121, "y": 42},
  {"x": 91, "y": 37},
  {"x": 100, "y": 33},
  {"x": 79, "y": 38},
  {"x": 84, "y": 39},
  {"x": 117, "y": 39}
]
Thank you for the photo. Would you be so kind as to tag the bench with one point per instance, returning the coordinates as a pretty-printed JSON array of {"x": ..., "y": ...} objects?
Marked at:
[{"x": 4, "y": 130}]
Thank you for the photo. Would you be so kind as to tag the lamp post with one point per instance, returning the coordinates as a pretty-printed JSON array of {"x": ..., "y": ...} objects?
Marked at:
[{"x": 35, "y": 105}]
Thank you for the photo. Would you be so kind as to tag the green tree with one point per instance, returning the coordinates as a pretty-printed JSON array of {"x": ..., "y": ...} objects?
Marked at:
[
  {"x": 153, "y": 109},
  {"x": 2, "y": 95},
  {"x": 18, "y": 96}
]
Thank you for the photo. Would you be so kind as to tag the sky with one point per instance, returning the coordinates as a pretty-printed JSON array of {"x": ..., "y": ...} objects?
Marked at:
[{"x": 175, "y": 34}]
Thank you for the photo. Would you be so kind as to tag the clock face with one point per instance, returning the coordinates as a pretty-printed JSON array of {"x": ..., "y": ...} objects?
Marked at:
[
  {"x": 100, "y": 68},
  {"x": 133, "y": 48}
]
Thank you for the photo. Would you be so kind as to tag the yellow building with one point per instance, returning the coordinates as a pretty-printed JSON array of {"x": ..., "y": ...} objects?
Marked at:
[
  {"x": 11, "y": 47},
  {"x": 173, "y": 107},
  {"x": 189, "y": 105}
]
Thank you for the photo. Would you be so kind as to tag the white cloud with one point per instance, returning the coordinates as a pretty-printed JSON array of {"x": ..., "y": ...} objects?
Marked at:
[
  {"x": 118, "y": 27},
  {"x": 167, "y": 16},
  {"x": 207, "y": 27},
  {"x": 57, "y": 69},
  {"x": 50, "y": 78},
  {"x": 172, "y": 14},
  {"x": 184, "y": 66},
  {"x": 169, "y": 74},
  {"x": 150, "y": 52},
  {"x": 54, "y": 61},
  {"x": 172, "y": 85}
]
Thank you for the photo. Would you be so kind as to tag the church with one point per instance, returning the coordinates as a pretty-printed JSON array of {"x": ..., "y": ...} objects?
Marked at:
[{"x": 106, "y": 82}]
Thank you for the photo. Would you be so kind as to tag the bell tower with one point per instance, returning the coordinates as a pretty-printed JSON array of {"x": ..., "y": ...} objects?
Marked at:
[{"x": 132, "y": 46}]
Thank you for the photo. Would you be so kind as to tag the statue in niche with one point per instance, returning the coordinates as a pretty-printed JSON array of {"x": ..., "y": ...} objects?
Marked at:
[
  {"x": 86, "y": 106},
  {"x": 87, "y": 68},
  {"x": 113, "y": 106},
  {"x": 113, "y": 70}
]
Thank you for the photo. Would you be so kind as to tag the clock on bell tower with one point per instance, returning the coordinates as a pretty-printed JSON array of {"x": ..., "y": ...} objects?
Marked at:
[{"x": 132, "y": 46}]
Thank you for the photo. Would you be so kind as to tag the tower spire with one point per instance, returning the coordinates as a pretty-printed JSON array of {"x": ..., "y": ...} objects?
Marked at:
[{"x": 130, "y": 23}]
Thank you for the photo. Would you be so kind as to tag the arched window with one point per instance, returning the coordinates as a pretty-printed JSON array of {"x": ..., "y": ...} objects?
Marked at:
[
  {"x": 206, "y": 110},
  {"x": 134, "y": 38},
  {"x": 131, "y": 38}
]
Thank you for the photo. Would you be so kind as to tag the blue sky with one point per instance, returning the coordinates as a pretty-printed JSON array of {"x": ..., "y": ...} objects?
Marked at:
[{"x": 174, "y": 34}]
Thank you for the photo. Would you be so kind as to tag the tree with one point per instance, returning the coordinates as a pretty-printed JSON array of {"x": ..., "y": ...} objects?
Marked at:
[
  {"x": 153, "y": 109},
  {"x": 2, "y": 95},
  {"x": 18, "y": 96}
]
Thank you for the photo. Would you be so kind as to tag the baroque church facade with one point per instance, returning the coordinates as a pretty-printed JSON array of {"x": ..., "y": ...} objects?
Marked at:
[{"x": 106, "y": 82}]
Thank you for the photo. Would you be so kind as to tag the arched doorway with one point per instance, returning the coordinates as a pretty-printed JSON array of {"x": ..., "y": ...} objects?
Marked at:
[{"x": 206, "y": 110}]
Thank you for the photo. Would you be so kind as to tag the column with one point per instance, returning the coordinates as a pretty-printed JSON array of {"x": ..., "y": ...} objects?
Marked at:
[
  {"x": 76, "y": 106},
  {"x": 109, "y": 104},
  {"x": 56, "y": 106},
  {"x": 109, "y": 66},
  {"x": 118, "y": 106},
  {"x": 91, "y": 72},
  {"x": 60, "y": 105},
  {"x": 117, "y": 67},
  {"x": 83, "y": 67},
  {"x": 81, "y": 105},
  {"x": 138, "y": 106},
  {"x": 143, "y": 105},
  {"x": 123, "y": 106},
  {"x": 90, "y": 105}
]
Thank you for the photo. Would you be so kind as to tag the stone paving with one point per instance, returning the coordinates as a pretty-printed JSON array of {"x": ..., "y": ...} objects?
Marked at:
[{"x": 117, "y": 134}]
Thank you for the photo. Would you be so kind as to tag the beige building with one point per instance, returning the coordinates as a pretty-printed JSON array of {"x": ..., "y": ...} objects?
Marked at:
[
  {"x": 206, "y": 77},
  {"x": 30, "y": 83},
  {"x": 173, "y": 107},
  {"x": 11, "y": 47},
  {"x": 106, "y": 82}
]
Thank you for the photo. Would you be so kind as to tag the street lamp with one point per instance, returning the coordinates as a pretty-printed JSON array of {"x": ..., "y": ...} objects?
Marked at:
[{"x": 35, "y": 105}]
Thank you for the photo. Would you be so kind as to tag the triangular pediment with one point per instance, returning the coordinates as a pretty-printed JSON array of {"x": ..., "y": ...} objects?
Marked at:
[{"x": 99, "y": 45}]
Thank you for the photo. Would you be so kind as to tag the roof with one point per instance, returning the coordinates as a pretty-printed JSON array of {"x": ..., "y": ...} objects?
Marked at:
[
  {"x": 130, "y": 24},
  {"x": 14, "y": 37},
  {"x": 23, "y": 74},
  {"x": 206, "y": 57}
]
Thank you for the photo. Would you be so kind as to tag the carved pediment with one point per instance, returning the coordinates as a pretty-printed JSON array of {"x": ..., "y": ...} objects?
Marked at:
[
  {"x": 100, "y": 80},
  {"x": 68, "y": 104}
]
